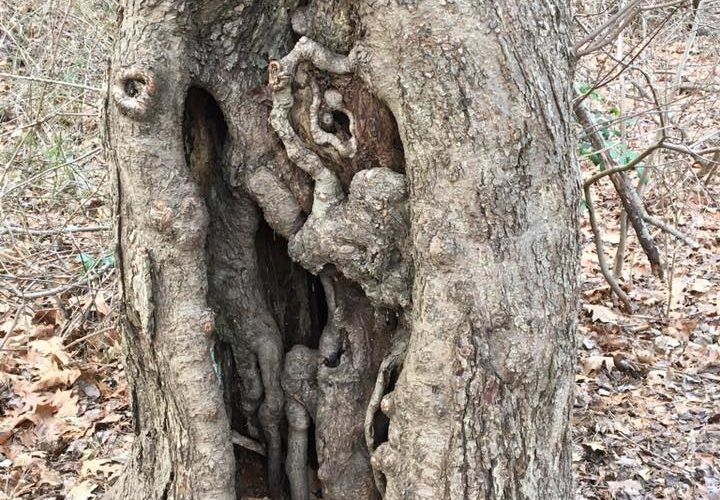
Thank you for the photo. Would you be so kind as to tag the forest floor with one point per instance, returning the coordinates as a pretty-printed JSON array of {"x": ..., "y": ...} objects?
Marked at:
[{"x": 647, "y": 406}]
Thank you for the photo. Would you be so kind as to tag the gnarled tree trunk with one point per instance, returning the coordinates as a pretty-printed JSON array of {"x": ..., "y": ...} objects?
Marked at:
[{"x": 348, "y": 248}]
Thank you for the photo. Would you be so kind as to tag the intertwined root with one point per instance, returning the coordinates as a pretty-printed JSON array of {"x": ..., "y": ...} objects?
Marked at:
[
  {"x": 300, "y": 386},
  {"x": 389, "y": 366},
  {"x": 347, "y": 238},
  {"x": 258, "y": 354},
  {"x": 363, "y": 235}
]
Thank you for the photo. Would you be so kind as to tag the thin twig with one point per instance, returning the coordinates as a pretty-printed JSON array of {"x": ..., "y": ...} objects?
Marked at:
[
  {"x": 622, "y": 168},
  {"x": 53, "y": 82},
  {"x": 12, "y": 326},
  {"x": 625, "y": 11},
  {"x": 688, "y": 47},
  {"x": 49, "y": 232},
  {"x": 643, "y": 213},
  {"x": 49, "y": 170},
  {"x": 628, "y": 13},
  {"x": 671, "y": 230},
  {"x": 601, "y": 252},
  {"x": 628, "y": 196},
  {"x": 89, "y": 336},
  {"x": 45, "y": 293},
  {"x": 609, "y": 77}
]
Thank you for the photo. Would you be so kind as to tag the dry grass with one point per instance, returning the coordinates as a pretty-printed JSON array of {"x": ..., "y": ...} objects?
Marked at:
[{"x": 59, "y": 370}]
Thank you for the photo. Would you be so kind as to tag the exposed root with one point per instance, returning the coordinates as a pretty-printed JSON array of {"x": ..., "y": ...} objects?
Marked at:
[
  {"x": 247, "y": 443},
  {"x": 392, "y": 362},
  {"x": 328, "y": 191},
  {"x": 258, "y": 361},
  {"x": 365, "y": 238},
  {"x": 333, "y": 98},
  {"x": 269, "y": 352},
  {"x": 299, "y": 383},
  {"x": 359, "y": 236}
]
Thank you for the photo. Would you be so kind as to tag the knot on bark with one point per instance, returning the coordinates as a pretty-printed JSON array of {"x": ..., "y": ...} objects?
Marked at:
[
  {"x": 385, "y": 459},
  {"x": 365, "y": 237},
  {"x": 277, "y": 78},
  {"x": 338, "y": 133},
  {"x": 133, "y": 92}
]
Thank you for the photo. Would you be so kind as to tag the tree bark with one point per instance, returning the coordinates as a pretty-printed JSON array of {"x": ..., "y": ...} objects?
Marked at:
[
  {"x": 480, "y": 93},
  {"x": 365, "y": 271}
]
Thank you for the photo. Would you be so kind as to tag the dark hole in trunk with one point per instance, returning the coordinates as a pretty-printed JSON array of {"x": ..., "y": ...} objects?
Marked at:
[
  {"x": 343, "y": 122},
  {"x": 381, "y": 422},
  {"x": 205, "y": 134},
  {"x": 239, "y": 239},
  {"x": 295, "y": 296}
]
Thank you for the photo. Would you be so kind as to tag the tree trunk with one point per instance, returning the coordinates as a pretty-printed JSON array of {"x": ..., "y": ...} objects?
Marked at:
[{"x": 363, "y": 273}]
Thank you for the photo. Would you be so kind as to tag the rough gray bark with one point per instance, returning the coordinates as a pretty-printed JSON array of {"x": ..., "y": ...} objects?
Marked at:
[
  {"x": 379, "y": 245},
  {"x": 482, "y": 406}
]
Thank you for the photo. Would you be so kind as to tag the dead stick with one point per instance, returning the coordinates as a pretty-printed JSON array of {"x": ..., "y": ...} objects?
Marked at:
[
  {"x": 601, "y": 252},
  {"x": 628, "y": 196},
  {"x": 53, "y": 82},
  {"x": 645, "y": 216},
  {"x": 49, "y": 232}
]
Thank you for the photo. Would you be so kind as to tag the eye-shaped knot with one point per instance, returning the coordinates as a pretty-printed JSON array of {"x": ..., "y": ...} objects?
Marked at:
[
  {"x": 278, "y": 79},
  {"x": 133, "y": 92}
]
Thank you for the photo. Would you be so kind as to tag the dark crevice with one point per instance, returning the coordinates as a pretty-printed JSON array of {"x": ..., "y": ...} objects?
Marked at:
[
  {"x": 168, "y": 485},
  {"x": 343, "y": 123},
  {"x": 381, "y": 422},
  {"x": 137, "y": 423},
  {"x": 333, "y": 361},
  {"x": 238, "y": 240},
  {"x": 205, "y": 134},
  {"x": 295, "y": 296}
]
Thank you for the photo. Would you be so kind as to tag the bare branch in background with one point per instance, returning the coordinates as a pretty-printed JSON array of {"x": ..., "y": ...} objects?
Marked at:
[
  {"x": 628, "y": 196},
  {"x": 48, "y": 232},
  {"x": 51, "y": 82},
  {"x": 609, "y": 31}
]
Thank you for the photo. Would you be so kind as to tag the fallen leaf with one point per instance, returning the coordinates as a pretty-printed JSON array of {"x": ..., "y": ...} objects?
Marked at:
[
  {"x": 601, "y": 313},
  {"x": 81, "y": 491},
  {"x": 701, "y": 285},
  {"x": 629, "y": 487},
  {"x": 48, "y": 316},
  {"x": 657, "y": 377},
  {"x": 65, "y": 402},
  {"x": 595, "y": 363},
  {"x": 43, "y": 331},
  {"x": 56, "y": 377},
  {"x": 50, "y": 477},
  {"x": 51, "y": 347},
  {"x": 21, "y": 324},
  {"x": 101, "y": 305},
  {"x": 595, "y": 445},
  {"x": 103, "y": 466}
]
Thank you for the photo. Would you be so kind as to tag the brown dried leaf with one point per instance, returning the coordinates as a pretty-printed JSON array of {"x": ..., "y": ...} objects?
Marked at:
[
  {"x": 629, "y": 487},
  {"x": 602, "y": 314},
  {"x": 48, "y": 317},
  {"x": 55, "y": 377},
  {"x": 700, "y": 285},
  {"x": 51, "y": 347},
  {"x": 82, "y": 491},
  {"x": 103, "y": 466},
  {"x": 595, "y": 363},
  {"x": 66, "y": 403}
]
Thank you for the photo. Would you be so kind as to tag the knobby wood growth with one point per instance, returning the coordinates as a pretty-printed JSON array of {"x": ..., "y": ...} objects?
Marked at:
[{"x": 310, "y": 265}]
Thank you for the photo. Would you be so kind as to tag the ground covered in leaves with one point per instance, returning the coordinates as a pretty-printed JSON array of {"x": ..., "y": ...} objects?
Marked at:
[{"x": 647, "y": 407}]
